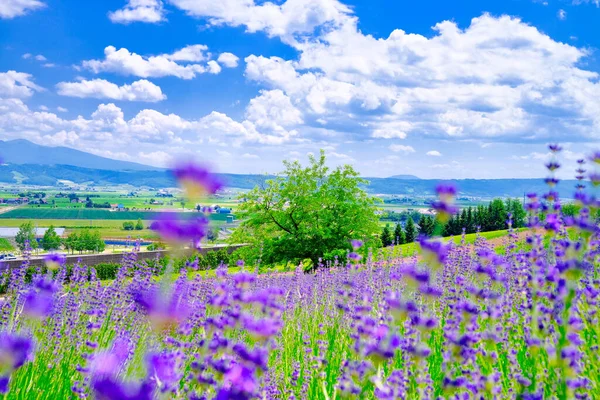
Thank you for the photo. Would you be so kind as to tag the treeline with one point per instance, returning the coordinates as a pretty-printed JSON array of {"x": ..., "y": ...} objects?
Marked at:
[
  {"x": 492, "y": 217},
  {"x": 85, "y": 240}
]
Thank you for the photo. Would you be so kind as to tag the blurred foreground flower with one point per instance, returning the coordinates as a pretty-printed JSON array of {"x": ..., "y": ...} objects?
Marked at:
[
  {"x": 434, "y": 252},
  {"x": 178, "y": 230},
  {"x": 54, "y": 261},
  {"x": 39, "y": 299},
  {"x": 197, "y": 181},
  {"x": 15, "y": 350},
  {"x": 164, "y": 310},
  {"x": 445, "y": 207}
]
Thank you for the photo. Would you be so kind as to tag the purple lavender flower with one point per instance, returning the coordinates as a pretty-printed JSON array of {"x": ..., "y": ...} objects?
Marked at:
[
  {"x": 109, "y": 388},
  {"x": 434, "y": 252},
  {"x": 595, "y": 157},
  {"x": 39, "y": 299},
  {"x": 356, "y": 244},
  {"x": 164, "y": 369},
  {"x": 197, "y": 181},
  {"x": 595, "y": 178},
  {"x": 15, "y": 351},
  {"x": 444, "y": 207},
  {"x": 176, "y": 229},
  {"x": 54, "y": 261},
  {"x": 554, "y": 148},
  {"x": 164, "y": 310}
]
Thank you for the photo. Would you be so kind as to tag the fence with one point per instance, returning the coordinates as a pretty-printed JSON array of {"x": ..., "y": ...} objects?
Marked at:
[{"x": 93, "y": 259}]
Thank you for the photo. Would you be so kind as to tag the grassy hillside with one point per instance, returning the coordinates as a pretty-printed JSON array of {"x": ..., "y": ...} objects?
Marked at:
[{"x": 5, "y": 245}]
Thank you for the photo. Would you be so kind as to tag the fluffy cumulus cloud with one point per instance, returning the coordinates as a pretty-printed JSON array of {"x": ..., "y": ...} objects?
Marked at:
[
  {"x": 184, "y": 63},
  {"x": 228, "y": 59},
  {"x": 499, "y": 79},
  {"x": 15, "y": 84},
  {"x": 15, "y": 8},
  {"x": 434, "y": 153},
  {"x": 293, "y": 17},
  {"x": 141, "y": 90},
  {"x": 150, "y": 11}
]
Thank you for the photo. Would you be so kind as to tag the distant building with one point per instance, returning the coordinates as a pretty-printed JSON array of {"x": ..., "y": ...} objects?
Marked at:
[{"x": 224, "y": 210}]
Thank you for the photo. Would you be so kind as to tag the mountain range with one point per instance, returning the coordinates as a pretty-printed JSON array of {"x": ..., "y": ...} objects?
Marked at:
[
  {"x": 32, "y": 164},
  {"x": 22, "y": 151}
]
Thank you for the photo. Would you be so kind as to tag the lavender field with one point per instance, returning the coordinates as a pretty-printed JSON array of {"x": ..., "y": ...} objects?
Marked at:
[{"x": 453, "y": 321}]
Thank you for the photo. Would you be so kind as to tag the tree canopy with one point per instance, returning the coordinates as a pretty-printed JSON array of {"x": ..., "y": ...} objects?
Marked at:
[
  {"x": 26, "y": 235},
  {"x": 307, "y": 212},
  {"x": 51, "y": 240}
]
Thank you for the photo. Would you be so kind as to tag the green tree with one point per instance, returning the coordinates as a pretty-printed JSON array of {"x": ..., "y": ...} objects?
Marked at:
[
  {"x": 51, "y": 240},
  {"x": 399, "y": 237},
  {"x": 386, "y": 236},
  {"x": 517, "y": 211},
  {"x": 411, "y": 231},
  {"x": 426, "y": 225},
  {"x": 306, "y": 212},
  {"x": 128, "y": 226},
  {"x": 71, "y": 242},
  {"x": 139, "y": 225},
  {"x": 95, "y": 242},
  {"x": 25, "y": 235}
]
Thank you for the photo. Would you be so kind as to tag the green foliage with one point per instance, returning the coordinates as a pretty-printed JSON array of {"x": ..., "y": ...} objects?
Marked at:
[
  {"x": 106, "y": 271},
  {"x": 25, "y": 235},
  {"x": 399, "y": 236},
  {"x": 306, "y": 212},
  {"x": 492, "y": 217},
  {"x": 5, "y": 245},
  {"x": 85, "y": 240},
  {"x": 139, "y": 225},
  {"x": 51, "y": 240},
  {"x": 427, "y": 225},
  {"x": 128, "y": 226},
  {"x": 386, "y": 236},
  {"x": 410, "y": 231}
]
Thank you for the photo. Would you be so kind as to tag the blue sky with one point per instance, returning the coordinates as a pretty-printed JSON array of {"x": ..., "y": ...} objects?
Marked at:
[{"x": 438, "y": 89}]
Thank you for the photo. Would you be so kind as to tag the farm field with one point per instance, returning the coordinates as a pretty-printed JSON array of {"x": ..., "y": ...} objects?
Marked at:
[{"x": 35, "y": 213}]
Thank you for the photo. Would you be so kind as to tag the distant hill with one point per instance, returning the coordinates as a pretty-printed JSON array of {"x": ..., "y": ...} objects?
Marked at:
[
  {"x": 412, "y": 177},
  {"x": 49, "y": 175},
  {"x": 22, "y": 151}
]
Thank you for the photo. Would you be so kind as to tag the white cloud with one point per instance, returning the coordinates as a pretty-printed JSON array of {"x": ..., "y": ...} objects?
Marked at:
[
  {"x": 49, "y": 65},
  {"x": 285, "y": 20},
  {"x": 596, "y": 2},
  {"x": 396, "y": 148},
  {"x": 228, "y": 59},
  {"x": 61, "y": 109},
  {"x": 149, "y": 11},
  {"x": 250, "y": 156},
  {"x": 43, "y": 108},
  {"x": 192, "y": 53},
  {"x": 456, "y": 83},
  {"x": 273, "y": 111},
  {"x": 183, "y": 63},
  {"x": 213, "y": 67},
  {"x": 141, "y": 90},
  {"x": 15, "y": 8},
  {"x": 17, "y": 84},
  {"x": 40, "y": 57},
  {"x": 26, "y": 56},
  {"x": 158, "y": 158},
  {"x": 561, "y": 14},
  {"x": 434, "y": 153}
]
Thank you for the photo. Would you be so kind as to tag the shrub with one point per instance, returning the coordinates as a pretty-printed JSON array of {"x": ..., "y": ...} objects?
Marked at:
[{"x": 106, "y": 271}]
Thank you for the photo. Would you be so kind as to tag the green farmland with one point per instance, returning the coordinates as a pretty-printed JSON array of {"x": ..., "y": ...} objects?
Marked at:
[{"x": 35, "y": 213}]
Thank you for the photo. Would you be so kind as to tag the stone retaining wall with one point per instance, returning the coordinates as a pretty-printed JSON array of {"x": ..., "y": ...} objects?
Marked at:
[{"x": 93, "y": 259}]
